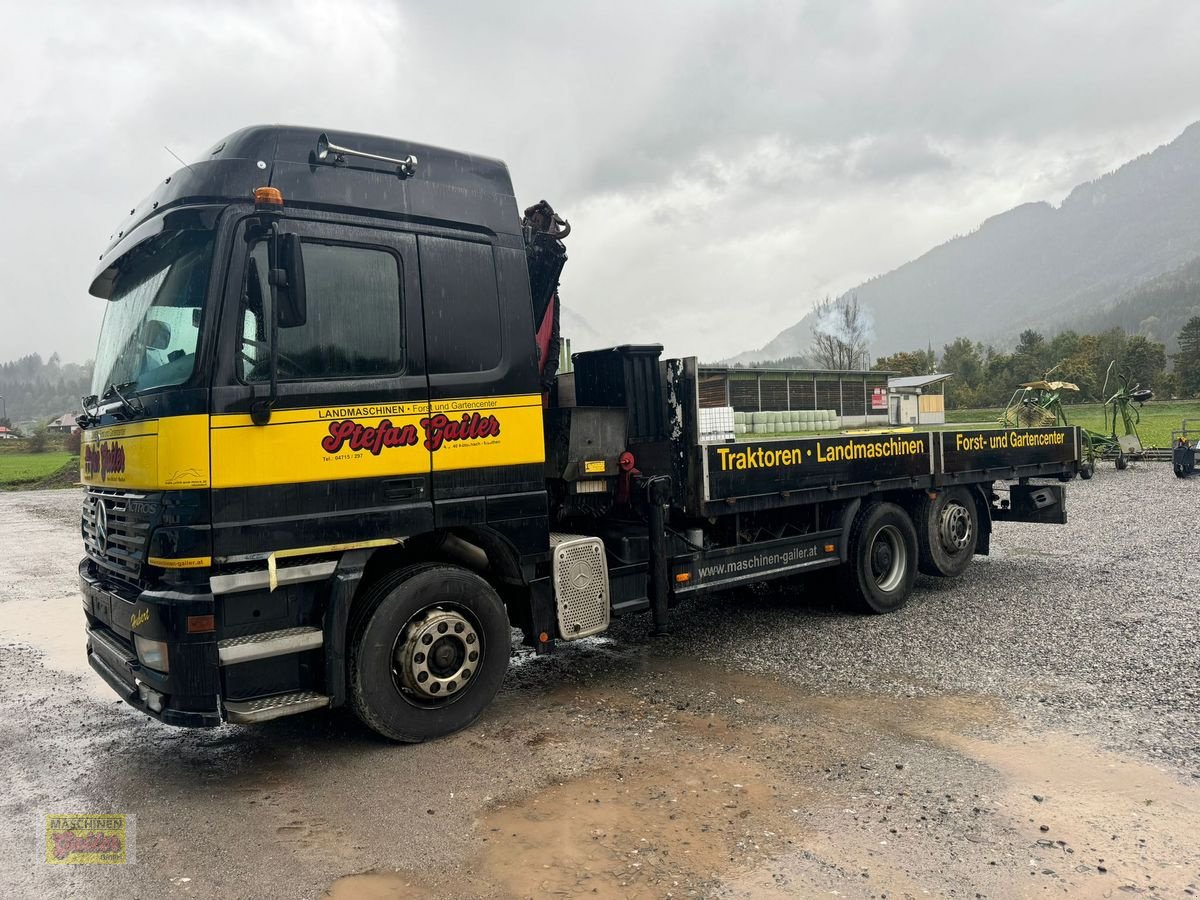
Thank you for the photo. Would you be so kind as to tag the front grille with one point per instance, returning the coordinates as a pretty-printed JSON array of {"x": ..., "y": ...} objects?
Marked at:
[{"x": 121, "y": 549}]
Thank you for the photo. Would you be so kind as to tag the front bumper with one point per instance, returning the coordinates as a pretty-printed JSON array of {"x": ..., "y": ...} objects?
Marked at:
[{"x": 187, "y": 695}]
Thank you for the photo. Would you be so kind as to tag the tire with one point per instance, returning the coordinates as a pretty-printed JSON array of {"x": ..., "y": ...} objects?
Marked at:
[
  {"x": 1087, "y": 470},
  {"x": 395, "y": 687},
  {"x": 1122, "y": 462},
  {"x": 947, "y": 529},
  {"x": 878, "y": 575}
]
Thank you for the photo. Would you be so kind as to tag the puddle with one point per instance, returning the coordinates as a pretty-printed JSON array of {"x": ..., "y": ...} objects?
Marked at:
[
  {"x": 56, "y": 629},
  {"x": 1080, "y": 807},
  {"x": 640, "y": 831},
  {"x": 862, "y": 796},
  {"x": 381, "y": 886}
]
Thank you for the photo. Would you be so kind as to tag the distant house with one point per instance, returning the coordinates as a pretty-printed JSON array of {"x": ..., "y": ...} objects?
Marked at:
[
  {"x": 7, "y": 434},
  {"x": 64, "y": 424},
  {"x": 917, "y": 400}
]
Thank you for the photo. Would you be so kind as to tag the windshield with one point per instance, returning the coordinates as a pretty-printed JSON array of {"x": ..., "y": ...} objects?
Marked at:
[{"x": 152, "y": 321}]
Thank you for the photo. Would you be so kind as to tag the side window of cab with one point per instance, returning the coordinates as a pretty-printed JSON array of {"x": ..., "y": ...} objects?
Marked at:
[
  {"x": 354, "y": 327},
  {"x": 462, "y": 306}
]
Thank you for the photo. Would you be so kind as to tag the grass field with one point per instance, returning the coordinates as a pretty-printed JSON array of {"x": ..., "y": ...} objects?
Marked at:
[
  {"x": 31, "y": 468},
  {"x": 1158, "y": 418}
]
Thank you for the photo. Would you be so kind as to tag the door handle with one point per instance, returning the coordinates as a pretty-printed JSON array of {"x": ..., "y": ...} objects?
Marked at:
[{"x": 404, "y": 488}]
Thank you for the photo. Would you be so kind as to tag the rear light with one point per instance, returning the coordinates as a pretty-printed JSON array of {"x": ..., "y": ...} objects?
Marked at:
[{"x": 152, "y": 654}]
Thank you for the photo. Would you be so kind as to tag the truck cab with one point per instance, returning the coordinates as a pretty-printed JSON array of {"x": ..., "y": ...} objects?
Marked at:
[{"x": 253, "y": 452}]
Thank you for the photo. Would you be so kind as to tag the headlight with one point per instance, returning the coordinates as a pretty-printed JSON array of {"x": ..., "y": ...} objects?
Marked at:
[{"x": 152, "y": 654}]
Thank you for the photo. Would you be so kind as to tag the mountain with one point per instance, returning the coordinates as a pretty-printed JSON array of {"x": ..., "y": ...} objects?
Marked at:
[
  {"x": 1040, "y": 266},
  {"x": 1156, "y": 309}
]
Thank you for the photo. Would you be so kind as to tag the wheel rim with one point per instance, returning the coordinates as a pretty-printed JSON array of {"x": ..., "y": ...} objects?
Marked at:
[
  {"x": 436, "y": 655},
  {"x": 889, "y": 558},
  {"x": 954, "y": 527}
]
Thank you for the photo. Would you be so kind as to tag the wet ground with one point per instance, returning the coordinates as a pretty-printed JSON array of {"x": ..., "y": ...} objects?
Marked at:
[{"x": 1030, "y": 730}]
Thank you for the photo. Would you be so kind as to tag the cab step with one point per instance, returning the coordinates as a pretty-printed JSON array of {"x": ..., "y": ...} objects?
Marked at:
[
  {"x": 250, "y": 647},
  {"x": 263, "y": 709}
]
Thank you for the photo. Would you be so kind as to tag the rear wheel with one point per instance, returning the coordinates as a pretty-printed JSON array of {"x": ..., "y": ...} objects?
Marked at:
[
  {"x": 878, "y": 575},
  {"x": 947, "y": 529},
  {"x": 1087, "y": 469},
  {"x": 1122, "y": 461},
  {"x": 429, "y": 649}
]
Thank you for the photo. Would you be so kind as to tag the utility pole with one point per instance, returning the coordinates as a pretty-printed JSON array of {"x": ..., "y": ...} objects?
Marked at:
[{"x": 3, "y": 408}]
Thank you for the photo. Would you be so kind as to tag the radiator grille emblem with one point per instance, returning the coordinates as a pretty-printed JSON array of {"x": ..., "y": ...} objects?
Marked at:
[{"x": 102, "y": 526}]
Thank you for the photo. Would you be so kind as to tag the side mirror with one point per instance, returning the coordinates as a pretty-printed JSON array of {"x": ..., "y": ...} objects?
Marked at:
[{"x": 287, "y": 282}]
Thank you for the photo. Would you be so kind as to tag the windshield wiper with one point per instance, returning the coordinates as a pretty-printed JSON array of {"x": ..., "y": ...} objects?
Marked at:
[{"x": 131, "y": 409}]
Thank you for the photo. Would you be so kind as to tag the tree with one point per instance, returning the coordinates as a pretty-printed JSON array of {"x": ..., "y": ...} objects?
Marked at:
[
  {"x": 1144, "y": 360},
  {"x": 964, "y": 360},
  {"x": 1187, "y": 360},
  {"x": 1032, "y": 357},
  {"x": 842, "y": 332},
  {"x": 908, "y": 362},
  {"x": 38, "y": 439}
]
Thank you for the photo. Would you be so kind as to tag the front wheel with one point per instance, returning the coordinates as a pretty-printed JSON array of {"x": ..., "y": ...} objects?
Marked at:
[
  {"x": 429, "y": 649},
  {"x": 879, "y": 573}
]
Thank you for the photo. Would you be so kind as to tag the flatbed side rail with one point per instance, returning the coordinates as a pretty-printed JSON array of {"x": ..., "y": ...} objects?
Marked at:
[{"x": 806, "y": 470}]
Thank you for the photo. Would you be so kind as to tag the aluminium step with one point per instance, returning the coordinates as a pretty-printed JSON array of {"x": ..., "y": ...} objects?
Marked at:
[
  {"x": 264, "y": 709},
  {"x": 250, "y": 647}
]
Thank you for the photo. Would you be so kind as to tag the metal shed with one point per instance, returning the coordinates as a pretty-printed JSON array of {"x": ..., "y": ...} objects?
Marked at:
[
  {"x": 854, "y": 398},
  {"x": 917, "y": 399}
]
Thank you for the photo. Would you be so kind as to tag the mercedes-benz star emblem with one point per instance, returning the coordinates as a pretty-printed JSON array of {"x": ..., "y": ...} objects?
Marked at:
[
  {"x": 580, "y": 574},
  {"x": 102, "y": 526}
]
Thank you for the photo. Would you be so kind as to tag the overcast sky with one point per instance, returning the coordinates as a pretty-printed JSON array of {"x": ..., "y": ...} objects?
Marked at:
[{"x": 723, "y": 164}]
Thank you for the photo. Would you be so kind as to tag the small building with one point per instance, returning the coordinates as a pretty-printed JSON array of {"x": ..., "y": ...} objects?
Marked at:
[
  {"x": 7, "y": 434},
  {"x": 917, "y": 399},
  {"x": 64, "y": 424},
  {"x": 837, "y": 399}
]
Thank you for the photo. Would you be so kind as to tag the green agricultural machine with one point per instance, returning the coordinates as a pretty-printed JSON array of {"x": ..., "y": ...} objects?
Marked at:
[{"x": 1038, "y": 404}]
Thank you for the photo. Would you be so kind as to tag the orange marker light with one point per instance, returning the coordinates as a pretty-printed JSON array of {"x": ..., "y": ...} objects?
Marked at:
[
  {"x": 681, "y": 577},
  {"x": 268, "y": 196},
  {"x": 829, "y": 548},
  {"x": 201, "y": 624},
  {"x": 544, "y": 638}
]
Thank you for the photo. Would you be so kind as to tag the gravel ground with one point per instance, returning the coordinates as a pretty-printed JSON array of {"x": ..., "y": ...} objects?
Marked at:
[
  {"x": 1028, "y": 729},
  {"x": 1093, "y": 626}
]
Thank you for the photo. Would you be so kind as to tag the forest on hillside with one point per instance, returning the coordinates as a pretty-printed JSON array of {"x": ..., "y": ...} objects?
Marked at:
[{"x": 37, "y": 390}]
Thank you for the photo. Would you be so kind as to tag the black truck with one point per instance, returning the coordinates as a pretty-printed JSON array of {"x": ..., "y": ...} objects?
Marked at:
[{"x": 329, "y": 459}]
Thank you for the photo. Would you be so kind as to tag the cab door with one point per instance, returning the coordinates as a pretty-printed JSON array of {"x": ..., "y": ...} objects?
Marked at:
[{"x": 342, "y": 458}]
